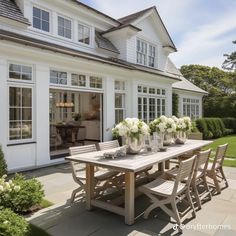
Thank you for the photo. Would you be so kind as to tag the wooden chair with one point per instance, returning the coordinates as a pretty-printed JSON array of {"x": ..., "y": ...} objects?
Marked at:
[
  {"x": 199, "y": 176},
  {"x": 79, "y": 174},
  {"x": 215, "y": 169},
  {"x": 108, "y": 145},
  {"x": 163, "y": 192}
]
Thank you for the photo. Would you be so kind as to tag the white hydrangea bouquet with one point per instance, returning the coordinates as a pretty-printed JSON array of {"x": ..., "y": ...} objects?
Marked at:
[
  {"x": 134, "y": 131},
  {"x": 183, "y": 127},
  {"x": 163, "y": 125}
]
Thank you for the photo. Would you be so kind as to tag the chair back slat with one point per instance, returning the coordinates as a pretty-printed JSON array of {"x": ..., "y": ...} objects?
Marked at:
[
  {"x": 220, "y": 154},
  {"x": 76, "y": 166},
  {"x": 185, "y": 172},
  {"x": 201, "y": 162},
  {"x": 108, "y": 145},
  {"x": 82, "y": 149}
]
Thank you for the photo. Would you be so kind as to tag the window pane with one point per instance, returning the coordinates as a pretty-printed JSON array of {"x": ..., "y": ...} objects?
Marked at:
[
  {"x": 36, "y": 12},
  {"x": 118, "y": 101},
  {"x": 60, "y": 21},
  {"x": 26, "y": 97},
  {"x": 68, "y": 33},
  {"x": 36, "y": 23},
  {"x": 45, "y": 16},
  {"x": 14, "y": 75},
  {"x": 15, "y": 114},
  {"x": 15, "y": 130},
  {"x": 26, "y": 130},
  {"x": 78, "y": 80},
  {"x": 26, "y": 77},
  {"x": 67, "y": 24},
  {"x": 45, "y": 26},
  {"x": 26, "y": 114},
  {"x": 15, "y": 97},
  {"x": 60, "y": 31}
]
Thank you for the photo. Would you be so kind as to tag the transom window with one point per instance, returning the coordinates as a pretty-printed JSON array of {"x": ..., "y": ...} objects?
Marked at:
[
  {"x": 40, "y": 19},
  {"x": 146, "y": 53},
  {"x": 83, "y": 34},
  {"x": 64, "y": 27},
  {"x": 151, "y": 103},
  {"x": 20, "y": 72},
  {"x": 95, "y": 82},
  {"x": 78, "y": 80},
  {"x": 20, "y": 113},
  {"x": 58, "y": 77},
  {"x": 191, "y": 108}
]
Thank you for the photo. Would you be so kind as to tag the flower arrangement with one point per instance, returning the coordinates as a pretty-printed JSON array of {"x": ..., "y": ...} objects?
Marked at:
[
  {"x": 131, "y": 127},
  {"x": 183, "y": 124},
  {"x": 8, "y": 186},
  {"x": 163, "y": 125}
]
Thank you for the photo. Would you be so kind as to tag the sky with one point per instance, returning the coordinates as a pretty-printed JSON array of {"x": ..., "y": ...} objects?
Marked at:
[{"x": 202, "y": 30}]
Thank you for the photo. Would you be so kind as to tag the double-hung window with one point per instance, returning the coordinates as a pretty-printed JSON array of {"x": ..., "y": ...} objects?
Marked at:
[
  {"x": 141, "y": 52},
  {"x": 119, "y": 101},
  {"x": 146, "y": 53},
  {"x": 64, "y": 27},
  {"x": 41, "y": 19},
  {"x": 83, "y": 34},
  {"x": 20, "y": 102}
]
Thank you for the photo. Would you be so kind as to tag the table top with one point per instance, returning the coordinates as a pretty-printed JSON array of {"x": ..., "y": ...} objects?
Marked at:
[{"x": 140, "y": 161}]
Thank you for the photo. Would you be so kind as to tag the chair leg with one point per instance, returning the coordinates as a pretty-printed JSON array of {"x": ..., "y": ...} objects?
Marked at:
[
  {"x": 206, "y": 186},
  {"x": 224, "y": 178},
  {"x": 195, "y": 191},
  {"x": 216, "y": 183},
  {"x": 149, "y": 209},
  {"x": 74, "y": 192},
  {"x": 190, "y": 202},
  {"x": 175, "y": 212}
]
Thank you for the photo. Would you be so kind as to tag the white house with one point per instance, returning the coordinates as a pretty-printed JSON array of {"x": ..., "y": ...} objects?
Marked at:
[{"x": 61, "y": 58}]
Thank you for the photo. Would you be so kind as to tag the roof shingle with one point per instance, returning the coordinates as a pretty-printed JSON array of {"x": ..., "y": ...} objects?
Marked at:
[{"x": 10, "y": 10}]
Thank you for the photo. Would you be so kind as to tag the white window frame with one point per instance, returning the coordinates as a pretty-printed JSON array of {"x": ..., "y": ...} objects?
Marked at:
[
  {"x": 50, "y": 21},
  {"x": 146, "y": 54},
  {"x": 191, "y": 107},
  {"x": 58, "y": 71},
  {"x": 21, "y": 84},
  {"x": 144, "y": 94},
  {"x": 122, "y": 92},
  {"x": 90, "y": 34},
  {"x": 72, "y": 26}
]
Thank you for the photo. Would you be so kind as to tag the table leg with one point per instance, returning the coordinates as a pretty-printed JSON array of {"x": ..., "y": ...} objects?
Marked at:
[
  {"x": 129, "y": 197},
  {"x": 89, "y": 185},
  {"x": 161, "y": 166}
]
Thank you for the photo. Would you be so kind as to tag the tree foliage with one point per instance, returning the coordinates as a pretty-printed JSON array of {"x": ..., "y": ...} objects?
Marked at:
[
  {"x": 230, "y": 61},
  {"x": 221, "y": 86}
]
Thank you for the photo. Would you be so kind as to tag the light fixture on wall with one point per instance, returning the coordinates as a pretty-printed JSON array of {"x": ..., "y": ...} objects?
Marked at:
[{"x": 65, "y": 104}]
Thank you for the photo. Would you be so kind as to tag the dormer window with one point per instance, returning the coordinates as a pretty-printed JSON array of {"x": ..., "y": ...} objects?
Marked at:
[
  {"x": 83, "y": 34},
  {"x": 64, "y": 27},
  {"x": 40, "y": 19},
  {"x": 146, "y": 53}
]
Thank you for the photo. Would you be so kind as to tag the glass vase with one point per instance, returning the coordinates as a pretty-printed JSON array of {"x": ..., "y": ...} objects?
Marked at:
[
  {"x": 167, "y": 139},
  {"x": 181, "y": 137},
  {"x": 134, "y": 144}
]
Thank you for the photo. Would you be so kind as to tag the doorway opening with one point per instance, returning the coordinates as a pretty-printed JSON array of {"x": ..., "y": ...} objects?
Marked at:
[{"x": 75, "y": 119}]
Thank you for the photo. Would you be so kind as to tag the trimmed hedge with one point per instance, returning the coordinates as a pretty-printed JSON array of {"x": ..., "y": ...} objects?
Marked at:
[
  {"x": 211, "y": 127},
  {"x": 230, "y": 123},
  {"x": 3, "y": 165}
]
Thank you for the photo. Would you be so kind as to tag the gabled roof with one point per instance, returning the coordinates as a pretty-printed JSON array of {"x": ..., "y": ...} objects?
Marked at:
[
  {"x": 130, "y": 19},
  {"x": 122, "y": 27},
  {"x": 104, "y": 43},
  {"x": 10, "y": 10}
]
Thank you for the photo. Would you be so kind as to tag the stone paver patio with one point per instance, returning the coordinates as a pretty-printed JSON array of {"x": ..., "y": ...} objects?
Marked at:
[{"x": 217, "y": 217}]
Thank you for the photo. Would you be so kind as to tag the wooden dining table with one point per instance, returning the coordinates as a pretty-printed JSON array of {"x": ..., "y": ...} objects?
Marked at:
[{"x": 130, "y": 164}]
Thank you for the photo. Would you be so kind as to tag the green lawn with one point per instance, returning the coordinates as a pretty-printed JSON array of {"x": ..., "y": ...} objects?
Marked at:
[
  {"x": 45, "y": 203},
  {"x": 231, "y": 152}
]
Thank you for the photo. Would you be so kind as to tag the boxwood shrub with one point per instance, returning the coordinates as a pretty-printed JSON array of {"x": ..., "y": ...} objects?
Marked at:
[
  {"x": 12, "y": 224},
  {"x": 3, "y": 165},
  {"x": 230, "y": 123},
  {"x": 211, "y": 127}
]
